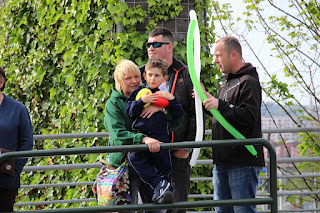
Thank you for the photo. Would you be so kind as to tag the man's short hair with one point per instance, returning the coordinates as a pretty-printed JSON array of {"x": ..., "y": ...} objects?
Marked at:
[
  {"x": 159, "y": 63},
  {"x": 3, "y": 76},
  {"x": 231, "y": 43},
  {"x": 162, "y": 31}
]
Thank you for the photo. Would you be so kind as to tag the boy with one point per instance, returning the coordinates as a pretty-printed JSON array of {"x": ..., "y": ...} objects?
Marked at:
[{"x": 154, "y": 167}]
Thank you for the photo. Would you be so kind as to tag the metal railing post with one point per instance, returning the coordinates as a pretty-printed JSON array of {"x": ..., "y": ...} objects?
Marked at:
[{"x": 273, "y": 176}]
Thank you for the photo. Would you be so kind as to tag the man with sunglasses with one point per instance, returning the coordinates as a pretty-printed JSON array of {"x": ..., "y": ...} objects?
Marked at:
[{"x": 160, "y": 45}]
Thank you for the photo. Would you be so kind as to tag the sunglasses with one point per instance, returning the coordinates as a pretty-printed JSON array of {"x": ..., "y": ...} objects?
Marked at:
[{"x": 156, "y": 44}]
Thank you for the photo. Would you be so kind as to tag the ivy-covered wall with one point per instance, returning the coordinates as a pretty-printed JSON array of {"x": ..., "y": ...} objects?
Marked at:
[
  {"x": 178, "y": 24},
  {"x": 59, "y": 57}
]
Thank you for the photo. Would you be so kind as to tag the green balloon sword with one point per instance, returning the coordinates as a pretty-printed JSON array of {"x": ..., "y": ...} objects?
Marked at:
[
  {"x": 192, "y": 31},
  {"x": 198, "y": 104}
]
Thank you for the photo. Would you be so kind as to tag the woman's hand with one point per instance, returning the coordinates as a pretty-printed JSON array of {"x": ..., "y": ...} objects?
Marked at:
[
  {"x": 148, "y": 111},
  {"x": 153, "y": 144}
]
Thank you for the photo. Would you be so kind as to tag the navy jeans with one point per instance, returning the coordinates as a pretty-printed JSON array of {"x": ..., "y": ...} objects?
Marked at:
[{"x": 235, "y": 182}]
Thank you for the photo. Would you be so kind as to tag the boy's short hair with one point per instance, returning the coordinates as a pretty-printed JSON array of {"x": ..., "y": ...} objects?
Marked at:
[
  {"x": 3, "y": 78},
  {"x": 159, "y": 63},
  {"x": 124, "y": 67}
]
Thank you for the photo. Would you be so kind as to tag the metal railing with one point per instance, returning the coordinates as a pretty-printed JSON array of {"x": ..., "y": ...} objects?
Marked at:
[
  {"x": 199, "y": 162},
  {"x": 272, "y": 200}
]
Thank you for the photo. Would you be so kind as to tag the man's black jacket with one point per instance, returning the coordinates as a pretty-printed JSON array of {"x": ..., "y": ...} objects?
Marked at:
[{"x": 240, "y": 104}]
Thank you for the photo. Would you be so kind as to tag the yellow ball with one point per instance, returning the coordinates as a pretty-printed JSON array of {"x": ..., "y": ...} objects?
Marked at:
[{"x": 141, "y": 93}]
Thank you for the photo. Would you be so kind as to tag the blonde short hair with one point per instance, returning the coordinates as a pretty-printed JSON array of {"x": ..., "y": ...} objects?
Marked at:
[{"x": 124, "y": 67}]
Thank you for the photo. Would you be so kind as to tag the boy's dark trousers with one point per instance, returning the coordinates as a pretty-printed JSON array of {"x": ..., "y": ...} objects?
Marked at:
[{"x": 152, "y": 167}]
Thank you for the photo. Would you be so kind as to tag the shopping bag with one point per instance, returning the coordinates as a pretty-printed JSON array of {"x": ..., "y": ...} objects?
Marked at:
[{"x": 112, "y": 185}]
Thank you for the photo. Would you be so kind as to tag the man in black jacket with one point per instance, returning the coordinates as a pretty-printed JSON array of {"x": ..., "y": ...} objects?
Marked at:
[
  {"x": 236, "y": 171},
  {"x": 160, "y": 45}
]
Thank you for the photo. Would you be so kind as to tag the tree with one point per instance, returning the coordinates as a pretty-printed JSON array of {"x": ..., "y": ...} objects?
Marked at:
[
  {"x": 59, "y": 57},
  {"x": 292, "y": 30}
]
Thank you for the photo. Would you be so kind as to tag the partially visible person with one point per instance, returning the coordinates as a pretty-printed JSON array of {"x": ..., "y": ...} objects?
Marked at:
[
  {"x": 236, "y": 170},
  {"x": 160, "y": 45},
  {"x": 116, "y": 121},
  {"x": 154, "y": 168},
  {"x": 16, "y": 134}
]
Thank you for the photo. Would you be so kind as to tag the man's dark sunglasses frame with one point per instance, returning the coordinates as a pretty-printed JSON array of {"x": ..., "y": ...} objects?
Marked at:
[{"x": 156, "y": 44}]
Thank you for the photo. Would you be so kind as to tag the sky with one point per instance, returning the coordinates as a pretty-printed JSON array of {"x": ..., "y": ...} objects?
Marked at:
[
  {"x": 258, "y": 42},
  {"x": 256, "y": 38}
]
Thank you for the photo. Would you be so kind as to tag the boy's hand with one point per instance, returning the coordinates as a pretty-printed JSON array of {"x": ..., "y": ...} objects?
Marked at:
[
  {"x": 165, "y": 94},
  {"x": 149, "y": 98}
]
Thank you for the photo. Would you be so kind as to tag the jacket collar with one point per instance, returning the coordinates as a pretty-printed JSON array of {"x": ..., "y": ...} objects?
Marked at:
[
  {"x": 117, "y": 94},
  {"x": 176, "y": 64}
]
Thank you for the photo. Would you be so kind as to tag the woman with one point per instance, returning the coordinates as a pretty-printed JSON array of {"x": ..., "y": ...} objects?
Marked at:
[
  {"x": 127, "y": 78},
  {"x": 15, "y": 134}
]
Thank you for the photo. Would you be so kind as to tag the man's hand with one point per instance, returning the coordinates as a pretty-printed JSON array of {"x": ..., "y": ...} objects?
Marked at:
[
  {"x": 194, "y": 92},
  {"x": 211, "y": 102},
  {"x": 181, "y": 153}
]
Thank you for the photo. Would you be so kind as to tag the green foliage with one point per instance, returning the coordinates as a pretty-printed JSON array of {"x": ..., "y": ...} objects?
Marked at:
[
  {"x": 274, "y": 87},
  {"x": 59, "y": 58},
  {"x": 309, "y": 144}
]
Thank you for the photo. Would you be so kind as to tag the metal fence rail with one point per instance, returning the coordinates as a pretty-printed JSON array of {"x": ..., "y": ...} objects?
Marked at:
[
  {"x": 272, "y": 200},
  {"x": 178, "y": 205},
  {"x": 199, "y": 162},
  {"x": 207, "y": 132}
]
